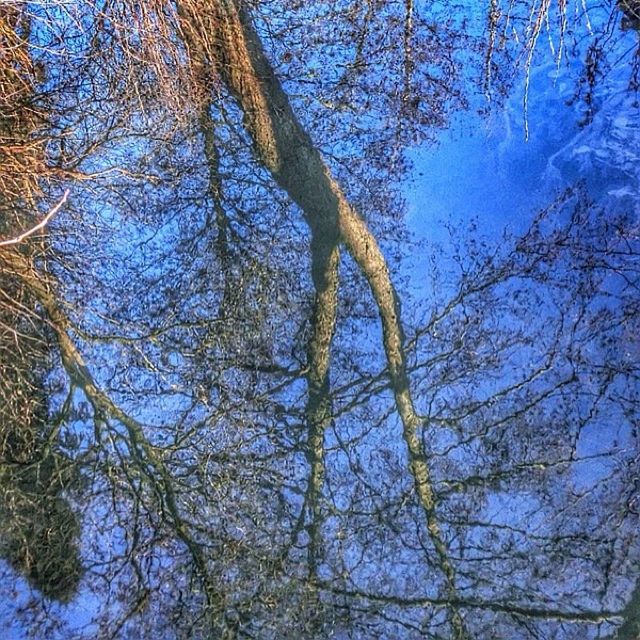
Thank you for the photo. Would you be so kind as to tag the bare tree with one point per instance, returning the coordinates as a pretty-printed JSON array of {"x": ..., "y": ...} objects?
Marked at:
[
  {"x": 39, "y": 527},
  {"x": 260, "y": 444}
]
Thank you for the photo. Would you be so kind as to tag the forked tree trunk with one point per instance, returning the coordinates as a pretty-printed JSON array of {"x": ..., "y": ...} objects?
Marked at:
[{"x": 287, "y": 151}]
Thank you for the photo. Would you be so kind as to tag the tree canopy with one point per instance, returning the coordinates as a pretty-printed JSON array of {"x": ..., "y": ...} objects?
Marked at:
[{"x": 223, "y": 413}]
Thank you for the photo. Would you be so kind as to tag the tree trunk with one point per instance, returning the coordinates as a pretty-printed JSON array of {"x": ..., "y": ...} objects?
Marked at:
[{"x": 287, "y": 151}]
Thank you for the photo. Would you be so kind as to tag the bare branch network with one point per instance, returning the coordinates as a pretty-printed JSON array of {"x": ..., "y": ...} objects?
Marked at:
[{"x": 224, "y": 413}]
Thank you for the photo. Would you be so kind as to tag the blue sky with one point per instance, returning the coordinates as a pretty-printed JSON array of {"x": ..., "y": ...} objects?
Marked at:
[{"x": 484, "y": 167}]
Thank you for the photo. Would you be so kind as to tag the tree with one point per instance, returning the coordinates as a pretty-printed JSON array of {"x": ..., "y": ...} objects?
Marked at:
[
  {"x": 39, "y": 527},
  {"x": 239, "y": 449}
]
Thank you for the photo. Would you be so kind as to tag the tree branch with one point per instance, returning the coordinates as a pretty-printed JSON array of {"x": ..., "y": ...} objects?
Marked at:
[
  {"x": 37, "y": 227},
  {"x": 145, "y": 454}
]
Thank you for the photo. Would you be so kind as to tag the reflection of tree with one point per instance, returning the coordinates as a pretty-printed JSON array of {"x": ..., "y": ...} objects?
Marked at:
[
  {"x": 259, "y": 455},
  {"x": 39, "y": 529},
  {"x": 38, "y": 526}
]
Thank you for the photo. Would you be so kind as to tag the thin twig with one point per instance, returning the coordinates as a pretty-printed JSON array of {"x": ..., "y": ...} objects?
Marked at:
[{"x": 40, "y": 224}]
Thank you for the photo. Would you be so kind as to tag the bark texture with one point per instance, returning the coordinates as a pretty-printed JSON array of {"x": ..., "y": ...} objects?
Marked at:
[
  {"x": 325, "y": 260},
  {"x": 286, "y": 150}
]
